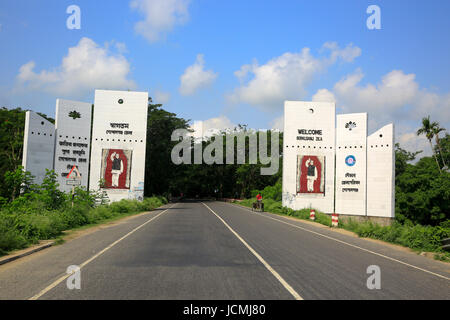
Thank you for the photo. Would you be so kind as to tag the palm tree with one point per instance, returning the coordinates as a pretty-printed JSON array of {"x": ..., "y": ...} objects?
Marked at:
[
  {"x": 436, "y": 130},
  {"x": 427, "y": 130}
]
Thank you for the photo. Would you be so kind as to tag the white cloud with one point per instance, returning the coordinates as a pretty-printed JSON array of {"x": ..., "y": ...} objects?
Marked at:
[
  {"x": 397, "y": 96},
  {"x": 395, "y": 90},
  {"x": 285, "y": 77},
  {"x": 87, "y": 66},
  {"x": 411, "y": 142},
  {"x": 347, "y": 54},
  {"x": 324, "y": 95},
  {"x": 207, "y": 128},
  {"x": 161, "y": 97},
  {"x": 160, "y": 16},
  {"x": 195, "y": 77}
]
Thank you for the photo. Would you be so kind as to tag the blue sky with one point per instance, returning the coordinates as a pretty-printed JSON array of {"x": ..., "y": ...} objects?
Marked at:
[{"x": 397, "y": 74}]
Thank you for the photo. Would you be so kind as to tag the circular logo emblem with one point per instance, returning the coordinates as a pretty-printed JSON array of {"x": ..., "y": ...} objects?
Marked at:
[{"x": 350, "y": 161}]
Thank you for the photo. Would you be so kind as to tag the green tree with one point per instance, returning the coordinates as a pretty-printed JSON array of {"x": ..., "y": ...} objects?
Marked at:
[
  {"x": 402, "y": 157},
  {"x": 436, "y": 130},
  {"x": 12, "y": 123},
  {"x": 427, "y": 129},
  {"x": 17, "y": 182},
  {"x": 445, "y": 147},
  {"x": 49, "y": 191},
  {"x": 161, "y": 173},
  {"x": 422, "y": 194}
]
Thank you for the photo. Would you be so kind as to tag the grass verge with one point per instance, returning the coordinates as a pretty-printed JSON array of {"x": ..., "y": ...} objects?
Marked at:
[{"x": 20, "y": 230}]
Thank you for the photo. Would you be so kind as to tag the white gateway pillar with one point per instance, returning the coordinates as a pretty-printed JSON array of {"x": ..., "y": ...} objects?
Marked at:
[
  {"x": 73, "y": 140},
  {"x": 351, "y": 163},
  {"x": 381, "y": 173},
  {"x": 308, "y": 155},
  {"x": 38, "y": 145},
  {"x": 119, "y": 144}
]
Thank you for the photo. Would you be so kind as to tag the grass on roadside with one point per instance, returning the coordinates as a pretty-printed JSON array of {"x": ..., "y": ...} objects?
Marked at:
[
  {"x": 21, "y": 229},
  {"x": 417, "y": 237}
]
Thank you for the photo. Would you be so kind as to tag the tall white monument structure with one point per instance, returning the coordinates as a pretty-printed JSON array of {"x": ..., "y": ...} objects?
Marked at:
[
  {"x": 381, "y": 173},
  {"x": 351, "y": 163},
  {"x": 73, "y": 140},
  {"x": 106, "y": 147},
  {"x": 308, "y": 155},
  {"x": 331, "y": 165},
  {"x": 38, "y": 145},
  {"x": 119, "y": 144}
]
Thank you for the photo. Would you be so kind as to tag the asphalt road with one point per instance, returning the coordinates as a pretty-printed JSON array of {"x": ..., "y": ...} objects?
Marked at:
[{"x": 215, "y": 250}]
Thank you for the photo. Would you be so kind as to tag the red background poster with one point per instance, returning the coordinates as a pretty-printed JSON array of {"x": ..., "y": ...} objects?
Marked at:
[
  {"x": 318, "y": 188},
  {"x": 123, "y": 177}
]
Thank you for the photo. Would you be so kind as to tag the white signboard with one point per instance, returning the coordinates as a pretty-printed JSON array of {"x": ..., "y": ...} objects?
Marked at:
[
  {"x": 73, "y": 182},
  {"x": 119, "y": 143}
]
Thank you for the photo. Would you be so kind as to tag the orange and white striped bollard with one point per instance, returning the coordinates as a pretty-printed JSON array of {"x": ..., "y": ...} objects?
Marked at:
[
  {"x": 334, "y": 220},
  {"x": 312, "y": 215}
]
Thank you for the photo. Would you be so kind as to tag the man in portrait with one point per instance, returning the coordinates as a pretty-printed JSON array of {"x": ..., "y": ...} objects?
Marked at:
[
  {"x": 311, "y": 174},
  {"x": 116, "y": 169}
]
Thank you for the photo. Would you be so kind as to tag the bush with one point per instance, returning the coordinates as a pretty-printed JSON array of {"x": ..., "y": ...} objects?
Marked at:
[
  {"x": 29, "y": 219},
  {"x": 418, "y": 237},
  {"x": 270, "y": 192},
  {"x": 10, "y": 238}
]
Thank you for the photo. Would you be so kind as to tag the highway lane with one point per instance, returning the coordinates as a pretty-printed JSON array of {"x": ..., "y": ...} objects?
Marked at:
[
  {"x": 27, "y": 276},
  {"x": 222, "y": 251},
  {"x": 186, "y": 253},
  {"x": 322, "y": 264}
]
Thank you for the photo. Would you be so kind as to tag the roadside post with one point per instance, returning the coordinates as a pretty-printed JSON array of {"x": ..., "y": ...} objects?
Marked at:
[
  {"x": 334, "y": 220},
  {"x": 312, "y": 214}
]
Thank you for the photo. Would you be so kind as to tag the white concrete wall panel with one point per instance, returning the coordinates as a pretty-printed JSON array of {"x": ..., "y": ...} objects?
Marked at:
[
  {"x": 73, "y": 139},
  {"x": 309, "y": 155},
  {"x": 381, "y": 173},
  {"x": 351, "y": 163},
  {"x": 38, "y": 146},
  {"x": 119, "y": 143}
]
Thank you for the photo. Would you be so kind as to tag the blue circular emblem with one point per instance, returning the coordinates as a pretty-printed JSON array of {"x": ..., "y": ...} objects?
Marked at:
[{"x": 350, "y": 161}]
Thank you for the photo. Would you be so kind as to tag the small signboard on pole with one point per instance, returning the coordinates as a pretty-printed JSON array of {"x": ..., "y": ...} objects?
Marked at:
[{"x": 73, "y": 182}]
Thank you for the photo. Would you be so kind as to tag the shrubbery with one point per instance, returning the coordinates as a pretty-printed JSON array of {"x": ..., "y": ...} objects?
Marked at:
[
  {"x": 270, "y": 192},
  {"x": 423, "y": 238}
]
